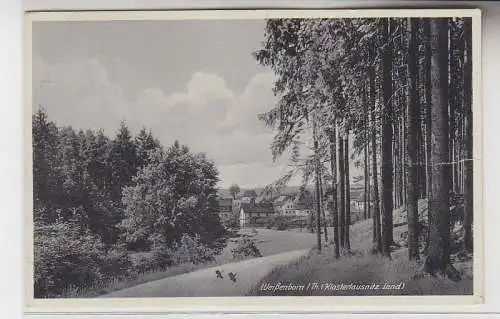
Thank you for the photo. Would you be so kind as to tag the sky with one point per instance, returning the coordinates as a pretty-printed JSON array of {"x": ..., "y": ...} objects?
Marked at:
[{"x": 191, "y": 81}]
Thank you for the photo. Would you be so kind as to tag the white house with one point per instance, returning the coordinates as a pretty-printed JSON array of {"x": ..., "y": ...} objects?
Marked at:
[{"x": 255, "y": 214}]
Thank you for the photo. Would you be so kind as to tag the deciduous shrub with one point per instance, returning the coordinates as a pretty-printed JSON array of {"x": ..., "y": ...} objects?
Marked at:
[
  {"x": 68, "y": 256},
  {"x": 246, "y": 248},
  {"x": 188, "y": 250},
  {"x": 64, "y": 257},
  {"x": 280, "y": 223},
  {"x": 117, "y": 263},
  {"x": 143, "y": 262},
  {"x": 233, "y": 222}
]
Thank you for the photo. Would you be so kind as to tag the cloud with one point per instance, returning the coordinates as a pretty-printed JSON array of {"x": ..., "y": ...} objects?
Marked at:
[
  {"x": 211, "y": 118},
  {"x": 204, "y": 87},
  {"x": 76, "y": 91},
  {"x": 249, "y": 175},
  {"x": 207, "y": 115},
  {"x": 257, "y": 98}
]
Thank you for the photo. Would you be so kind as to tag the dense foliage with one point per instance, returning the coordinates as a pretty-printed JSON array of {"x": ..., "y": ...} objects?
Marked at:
[
  {"x": 246, "y": 248},
  {"x": 380, "y": 88},
  {"x": 97, "y": 198}
]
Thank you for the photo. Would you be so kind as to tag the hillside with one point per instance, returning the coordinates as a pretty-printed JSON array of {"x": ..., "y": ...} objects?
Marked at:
[{"x": 360, "y": 268}]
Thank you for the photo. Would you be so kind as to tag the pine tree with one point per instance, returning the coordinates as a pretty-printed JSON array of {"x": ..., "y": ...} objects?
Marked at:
[
  {"x": 468, "y": 158},
  {"x": 387, "y": 116},
  {"x": 333, "y": 166},
  {"x": 438, "y": 252},
  {"x": 123, "y": 159},
  {"x": 347, "y": 194},
  {"x": 413, "y": 124},
  {"x": 145, "y": 143}
]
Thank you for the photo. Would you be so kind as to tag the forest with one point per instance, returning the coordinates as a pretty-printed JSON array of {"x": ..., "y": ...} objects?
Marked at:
[
  {"x": 394, "y": 96},
  {"x": 391, "y": 96},
  {"x": 97, "y": 198}
]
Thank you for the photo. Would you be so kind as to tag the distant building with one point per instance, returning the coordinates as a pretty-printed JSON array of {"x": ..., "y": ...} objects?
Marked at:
[
  {"x": 284, "y": 205},
  {"x": 252, "y": 214},
  {"x": 225, "y": 208},
  {"x": 357, "y": 198},
  {"x": 249, "y": 196},
  {"x": 293, "y": 205}
]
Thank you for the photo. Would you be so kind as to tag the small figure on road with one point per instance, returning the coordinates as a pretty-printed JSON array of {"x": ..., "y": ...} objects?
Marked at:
[
  {"x": 218, "y": 273},
  {"x": 232, "y": 276}
]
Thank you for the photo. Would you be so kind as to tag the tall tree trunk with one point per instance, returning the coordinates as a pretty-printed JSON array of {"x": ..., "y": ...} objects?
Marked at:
[
  {"x": 322, "y": 204},
  {"x": 438, "y": 253},
  {"x": 318, "y": 194},
  {"x": 402, "y": 154},
  {"x": 428, "y": 101},
  {"x": 342, "y": 190},
  {"x": 420, "y": 140},
  {"x": 365, "y": 180},
  {"x": 376, "y": 199},
  {"x": 468, "y": 160},
  {"x": 412, "y": 142},
  {"x": 333, "y": 166},
  {"x": 404, "y": 133},
  {"x": 428, "y": 110},
  {"x": 347, "y": 193},
  {"x": 368, "y": 187},
  {"x": 366, "y": 208},
  {"x": 452, "y": 104},
  {"x": 387, "y": 120},
  {"x": 395, "y": 165}
]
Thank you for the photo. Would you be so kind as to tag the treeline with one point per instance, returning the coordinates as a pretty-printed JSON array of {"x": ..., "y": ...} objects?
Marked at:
[
  {"x": 398, "y": 92},
  {"x": 98, "y": 198}
]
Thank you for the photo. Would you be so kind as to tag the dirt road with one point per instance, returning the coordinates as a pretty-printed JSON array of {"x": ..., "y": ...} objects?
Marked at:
[{"x": 204, "y": 283}]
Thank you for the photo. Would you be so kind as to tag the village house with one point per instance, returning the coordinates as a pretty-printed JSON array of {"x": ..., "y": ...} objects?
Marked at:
[
  {"x": 252, "y": 214},
  {"x": 292, "y": 205},
  {"x": 249, "y": 196},
  {"x": 284, "y": 205},
  {"x": 358, "y": 198},
  {"x": 225, "y": 208}
]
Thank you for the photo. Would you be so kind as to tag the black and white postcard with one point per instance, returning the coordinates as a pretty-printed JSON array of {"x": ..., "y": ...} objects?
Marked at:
[{"x": 267, "y": 158}]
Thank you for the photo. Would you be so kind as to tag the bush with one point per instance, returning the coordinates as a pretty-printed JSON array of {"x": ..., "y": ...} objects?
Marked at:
[
  {"x": 232, "y": 222},
  {"x": 280, "y": 223},
  {"x": 143, "y": 263},
  {"x": 187, "y": 250},
  {"x": 281, "y": 226},
  {"x": 66, "y": 256},
  {"x": 161, "y": 260},
  {"x": 246, "y": 248},
  {"x": 117, "y": 263}
]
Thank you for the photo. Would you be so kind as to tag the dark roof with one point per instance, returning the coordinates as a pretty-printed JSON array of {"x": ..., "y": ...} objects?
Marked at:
[
  {"x": 225, "y": 201},
  {"x": 283, "y": 199},
  {"x": 250, "y": 193},
  {"x": 258, "y": 208}
]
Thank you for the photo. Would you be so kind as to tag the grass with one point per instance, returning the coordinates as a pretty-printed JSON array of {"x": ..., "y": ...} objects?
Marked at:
[
  {"x": 361, "y": 267},
  {"x": 105, "y": 287},
  {"x": 268, "y": 241}
]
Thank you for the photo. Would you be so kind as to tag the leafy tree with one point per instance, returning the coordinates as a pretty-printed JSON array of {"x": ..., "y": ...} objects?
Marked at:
[
  {"x": 234, "y": 190},
  {"x": 174, "y": 195}
]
